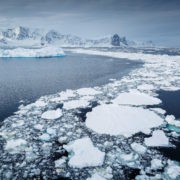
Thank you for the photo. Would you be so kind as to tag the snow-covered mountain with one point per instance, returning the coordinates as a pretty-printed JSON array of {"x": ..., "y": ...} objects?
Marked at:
[
  {"x": 26, "y": 37},
  {"x": 20, "y": 36}
]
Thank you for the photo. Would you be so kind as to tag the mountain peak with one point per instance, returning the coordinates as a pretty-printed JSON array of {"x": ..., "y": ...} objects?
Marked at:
[{"x": 16, "y": 36}]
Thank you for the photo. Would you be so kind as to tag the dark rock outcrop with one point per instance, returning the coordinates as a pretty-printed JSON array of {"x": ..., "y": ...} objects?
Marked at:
[{"x": 115, "y": 40}]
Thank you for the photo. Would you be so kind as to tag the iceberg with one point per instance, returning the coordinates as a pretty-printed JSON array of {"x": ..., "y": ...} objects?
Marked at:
[{"x": 48, "y": 51}]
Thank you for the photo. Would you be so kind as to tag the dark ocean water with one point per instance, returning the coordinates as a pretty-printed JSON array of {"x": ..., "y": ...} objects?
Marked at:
[
  {"x": 29, "y": 78},
  {"x": 171, "y": 103}
]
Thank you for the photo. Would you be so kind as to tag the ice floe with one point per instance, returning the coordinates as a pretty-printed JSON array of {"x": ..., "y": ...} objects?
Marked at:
[
  {"x": 158, "y": 138},
  {"x": 145, "y": 87},
  {"x": 48, "y": 51},
  {"x": 84, "y": 154},
  {"x": 52, "y": 114},
  {"x": 15, "y": 145},
  {"x": 136, "y": 98},
  {"x": 171, "y": 120},
  {"x": 138, "y": 148},
  {"x": 88, "y": 91},
  {"x": 96, "y": 176},
  {"x": 159, "y": 110},
  {"x": 44, "y": 137},
  {"x": 40, "y": 103},
  {"x": 75, "y": 104},
  {"x": 60, "y": 162},
  {"x": 63, "y": 96},
  {"x": 38, "y": 126},
  {"x": 121, "y": 120},
  {"x": 173, "y": 170},
  {"x": 156, "y": 164}
]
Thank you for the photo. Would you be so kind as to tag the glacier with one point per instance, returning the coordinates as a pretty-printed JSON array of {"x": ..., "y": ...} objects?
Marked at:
[{"x": 49, "y": 51}]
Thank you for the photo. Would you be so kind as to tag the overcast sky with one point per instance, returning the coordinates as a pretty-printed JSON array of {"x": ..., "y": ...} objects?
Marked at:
[{"x": 156, "y": 20}]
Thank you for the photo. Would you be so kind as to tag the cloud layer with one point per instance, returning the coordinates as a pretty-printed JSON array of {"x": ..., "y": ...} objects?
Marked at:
[{"x": 138, "y": 19}]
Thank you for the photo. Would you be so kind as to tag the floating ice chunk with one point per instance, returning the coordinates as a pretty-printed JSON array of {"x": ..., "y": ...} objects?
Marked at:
[
  {"x": 18, "y": 123},
  {"x": 146, "y": 87},
  {"x": 158, "y": 139},
  {"x": 136, "y": 98},
  {"x": 121, "y": 120},
  {"x": 49, "y": 51},
  {"x": 171, "y": 120},
  {"x": 87, "y": 91},
  {"x": 38, "y": 126},
  {"x": 156, "y": 164},
  {"x": 15, "y": 145},
  {"x": 128, "y": 157},
  {"x": 60, "y": 162},
  {"x": 52, "y": 114},
  {"x": 138, "y": 148},
  {"x": 64, "y": 95},
  {"x": 173, "y": 170},
  {"x": 44, "y": 137},
  {"x": 146, "y": 177},
  {"x": 75, "y": 104},
  {"x": 84, "y": 154},
  {"x": 40, "y": 103},
  {"x": 67, "y": 94},
  {"x": 96, "y": 176},
  {"x": 87, "y": 98},
  {"x": 51, "y": 131},
  {"x": 159, "y": 110},
  {"x": 30, "y": 155},
  {"x": 62, "y": 140}
]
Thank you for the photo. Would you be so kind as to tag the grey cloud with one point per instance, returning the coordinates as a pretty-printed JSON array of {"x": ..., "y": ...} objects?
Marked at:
[{"x": 137, "y": 19}]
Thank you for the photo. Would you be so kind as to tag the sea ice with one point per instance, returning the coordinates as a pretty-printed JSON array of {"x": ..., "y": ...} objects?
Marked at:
[
  {"x": 40, "y": 103},
  {"x": 15, "y": 145},
  {"x": 44, "y": 137},
  {"x": 51, "y": 131},
  {"x": 158, "y": 139},
  {"x": 63, "y": 96},
  {"x": 121, "y": 120},
  {"x": 136, "y": 98},
  {"x": 96, "y": 176},
  {"x": 60, "y": 162},
  {"x": 173, "y": 169},
  {"x": 52, "y": 114},
  {"x": 128, "y": 55},
  {"x": 87, "y": 91},
  {"x": 84, "y": 153},
  {"x": 146, "y": 87},
  {"x": 75, "y": 104},
  {"x": 171, "y": 120},
  {"x": 156, "y": 164},
  {"x": 18, "y": 123},
  {"x": 159, "y": 110},
  {"x": 38, "y": 126},
  {"x": 138, "y": 148}
]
